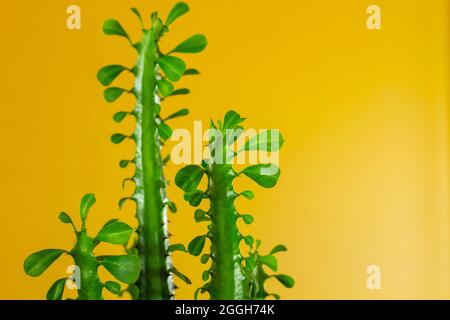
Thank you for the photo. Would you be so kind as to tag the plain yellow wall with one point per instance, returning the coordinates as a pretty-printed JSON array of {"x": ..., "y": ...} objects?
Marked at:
[{"x": 364, "y": 115}]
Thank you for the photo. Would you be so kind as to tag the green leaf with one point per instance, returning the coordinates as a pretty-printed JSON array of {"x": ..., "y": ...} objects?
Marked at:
[
  {"x": 119, "y": 116},
  {"x": 138, "y": 14},
  {"x": 269, "y": 261},
  {"x": 205, "y": 275},
  {"x": 115, "y": 232},
  {"x": 86, "y": 203},
  {"x": 201, "y": 216},
  {"x": 231, "y": 120},
  {"x": 113, "y": 287},
  {"x": 113, "y": 27},
  {"x": 124, "y": 163},
  {"x": 172, "y": 207},
  {"x": 112, "y": 94},
  {"x": 279, "y": 248},
  {"x": 189, "y": 177},
  {"x": 269, "y": 140},
  {"x": 124, "y": 268},
  {"x": 204, "y": 258},
  {"x": 248, "y": 194},
  {"x": 266, "y": 175},
  {"x": 108, "y": 74},
  {"x": 194, "y": 44},
  {"x": 286, "y": 280},
  {"x": 180, "y": 113},
  {"x": 191, "y": 72},
  {"x": 181, "y": 276},
  {"x": 196, "y": 198},
  {"x": 173, "y": 67},
  {"x": 56, "y": 291},
  {"x": 177, "y": 11},
  {"x": 134, "y": 292},
  {"x": 181, "y": 92},
  {"x": 65, "y": 218},
  {"x": 165, "y": 88},
  {"x": 177, "y": 247},
  {"x": 165, "y": 132},
  {"x": 248, "y": 240},
  {"x": 195, "y": 247},
  {"x": 118, "y": 138},
  {"x": 248, "y": 219},
  {"x": 38, "y": 262}
]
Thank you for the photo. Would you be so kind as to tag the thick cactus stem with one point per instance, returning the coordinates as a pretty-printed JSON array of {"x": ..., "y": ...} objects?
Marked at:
[
  {"x": 154, "y": 281},
  {"x": 227, "y": 277}
]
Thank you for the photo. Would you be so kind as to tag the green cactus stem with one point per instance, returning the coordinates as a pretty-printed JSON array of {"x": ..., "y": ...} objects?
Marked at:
[
  {"x": 124, "y": 268},
  {"x": 227, "y": 277},
  {"x": 154, "y": 74}
]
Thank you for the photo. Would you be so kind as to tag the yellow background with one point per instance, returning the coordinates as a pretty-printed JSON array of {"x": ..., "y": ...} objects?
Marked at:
[{"x": 364, "y": 113}]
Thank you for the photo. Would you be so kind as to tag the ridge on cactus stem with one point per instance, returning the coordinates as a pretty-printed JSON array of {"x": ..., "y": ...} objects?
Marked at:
[
  {"x": 156, "y": 72},
  {"x": 231, "y": 275},
  {"x": 124, "y": 268}
]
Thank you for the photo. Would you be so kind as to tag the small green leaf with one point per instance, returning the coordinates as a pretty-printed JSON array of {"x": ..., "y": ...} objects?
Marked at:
[
  {"x": 204, "y": 258},
  {"x": 173, "y": 67},
  {"x": 194, "y": 44},
  {"x": 124, "y": 268},
  {"x": 279, "y": 248},
  {"x": 124, "y": 163},
  {"x": 269, "y": 140},
  {"x": 269, "y": 261},
  {"x": 189, "y": 177},
  {"x": 205, "y": 275},
  {"x": 195, "y": 198},
  {"x": 134, "y": 292},
  {"x": 275, "y": 296},
  {"x": 119, "y": 116},
  {"x": 266, "y": 175},
  {"x": 177, "y": 247},
  {"x": 108, "y": 74},
  {"x": 195, "y": 247},
  {"x": 248, "y": 240},
  {"x": 65, "y": 218},
  {"x": 115, "y": 233},
  {"x": 201, "y": 216},
  {"x": 118, "y": 138},
  {"x": 191, "y": 72},
  {"x": 248, "y": 194},
  {"x": 165, "y": 132},
  {"x": 113, "y": 287},
  {"x": 177, "y": 11},
  {"x": 113, "y": 27},
  {"x": 180, "y": 113},
  {"x": 165, "y": 88},
  {"x": 56, "y": 291},
  {"x": 112, "y": 94},
  {"x": 39, "y": 261},
  {"x": 181, "y": 276},
  {"x": 86, "y": 203},
  {"x": 231, "y": 120},
  {"x": 248, "y": 219},
  {"x": 181, "y": 92},
  {"x": 286, "y": 280},
  {"x": 172, "y": 207},
  {"x": 138, "y": 14}
]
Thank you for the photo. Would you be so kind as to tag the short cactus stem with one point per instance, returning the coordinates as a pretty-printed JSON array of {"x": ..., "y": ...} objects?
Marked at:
[
  {"x": 226, "y": 284},
  {"x": 90, "y": 287}
]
